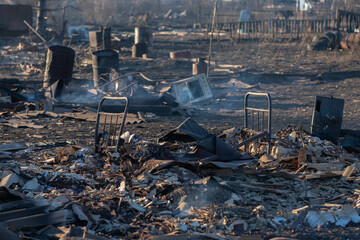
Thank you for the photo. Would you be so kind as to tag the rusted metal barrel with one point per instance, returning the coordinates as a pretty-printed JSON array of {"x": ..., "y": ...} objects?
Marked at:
[
  {"x": 59, "y": 65},
  {"x": 350, "y": 41},
  {"x": 100, "y": 39},
  {"x": 144, "y": 35},
  {"x": 328, "y": 40},
  {"x": 199, "y": 66},
  {"x": 103, "y": 62},
  {"x": 344, "y": 42}
]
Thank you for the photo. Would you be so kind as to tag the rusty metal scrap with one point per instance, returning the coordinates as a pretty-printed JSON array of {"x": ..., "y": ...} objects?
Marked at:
[
  {"x": 350, "y": 41},
  {"x": 328, "y": 40}
]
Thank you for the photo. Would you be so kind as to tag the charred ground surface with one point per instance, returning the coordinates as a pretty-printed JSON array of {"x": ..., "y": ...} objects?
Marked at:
[{"x": 288, "y": 71}]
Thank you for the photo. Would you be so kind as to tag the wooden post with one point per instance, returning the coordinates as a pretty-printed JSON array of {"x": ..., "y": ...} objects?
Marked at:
[
  {"x": 245, "y": 28},
  {"x": 326, "y": 24},
  {"x": 338, "y": 19},
  {"x": 265, "y": 29},
  {"x": 303, "y": 26},
  {"x": 321, "y": 26},
  {"x": 41, "y": 12},
  {"x": 253, "y": 23}
]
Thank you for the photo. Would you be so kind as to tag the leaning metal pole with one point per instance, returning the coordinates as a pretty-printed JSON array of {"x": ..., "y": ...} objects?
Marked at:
[{"x": 211, "y": 37}]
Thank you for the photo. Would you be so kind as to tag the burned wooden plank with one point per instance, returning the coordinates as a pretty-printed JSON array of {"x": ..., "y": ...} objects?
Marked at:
[
  {"x": 38, "y": 220},
  {"x": 4, "y": 155},
  {"x": 19, "y": 213},
  {"x": 20, "y": 204},
  {"x": 13, "y": 147}
]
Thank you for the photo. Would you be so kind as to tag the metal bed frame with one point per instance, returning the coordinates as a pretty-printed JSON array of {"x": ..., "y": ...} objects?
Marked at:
[
  {"x": 107, "y": 134},
  {"x": 256, "y": 119}
]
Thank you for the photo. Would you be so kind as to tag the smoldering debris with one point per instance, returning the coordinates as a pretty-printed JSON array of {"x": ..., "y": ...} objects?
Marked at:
[{"x": 146, "y": 189}]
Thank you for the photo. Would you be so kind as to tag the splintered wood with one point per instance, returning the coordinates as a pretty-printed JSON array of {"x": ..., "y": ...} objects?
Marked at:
[{"x": 154, "y": 190}]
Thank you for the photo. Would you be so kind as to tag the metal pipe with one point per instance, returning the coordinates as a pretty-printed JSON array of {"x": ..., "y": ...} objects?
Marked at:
[
  {"x": 36, "y": 32},
  {"x": 211, "y": 37}
]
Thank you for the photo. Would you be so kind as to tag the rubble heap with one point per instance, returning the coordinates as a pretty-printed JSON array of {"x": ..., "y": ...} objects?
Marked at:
[{"x": 149, "y": 189}]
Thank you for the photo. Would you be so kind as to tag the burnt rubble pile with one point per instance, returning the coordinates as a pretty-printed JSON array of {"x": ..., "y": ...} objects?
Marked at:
[
  {"x": 150, "y": 188},
  {"x": 84, "y": 155},
  {"x": 77, "y": 76}
]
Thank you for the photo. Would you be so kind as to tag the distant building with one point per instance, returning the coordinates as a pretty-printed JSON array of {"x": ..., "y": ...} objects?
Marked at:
[{"x": 303, "y": 5}]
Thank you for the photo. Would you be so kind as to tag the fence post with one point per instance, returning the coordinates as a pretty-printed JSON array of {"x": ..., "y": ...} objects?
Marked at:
[{"x": 338, "y": 19}]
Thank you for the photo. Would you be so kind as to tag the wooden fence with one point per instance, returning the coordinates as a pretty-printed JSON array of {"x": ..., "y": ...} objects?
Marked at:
[
  {"x": 274, "y": 28},
  {"x": 347, "y": 21}
]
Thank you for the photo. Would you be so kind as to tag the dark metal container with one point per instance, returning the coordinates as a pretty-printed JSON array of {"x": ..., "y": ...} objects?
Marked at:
[
  {"x": 199, "y": 66},
  {"x": 327, "y": 118},
  {"x": 59, "y": 65},
  {"x": 12, "y": 19},
  {"x": 103, "y": 62},
  {"x": 144, "y": 35},
  {"x": 100, "y": 39},
  {"x": 139, "y": 49}
]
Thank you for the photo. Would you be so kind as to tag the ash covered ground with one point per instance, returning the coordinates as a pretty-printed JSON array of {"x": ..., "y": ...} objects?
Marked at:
[{"x": 147, "y": 191}]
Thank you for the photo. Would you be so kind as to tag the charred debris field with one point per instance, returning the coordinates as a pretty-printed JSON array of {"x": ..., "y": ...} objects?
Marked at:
[{"x": 126, "y": 137}]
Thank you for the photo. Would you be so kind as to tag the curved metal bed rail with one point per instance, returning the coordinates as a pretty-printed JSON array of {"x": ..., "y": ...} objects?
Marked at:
[
  {"x": 260, "y": 120},
  {"x": 107, "y": 134}
]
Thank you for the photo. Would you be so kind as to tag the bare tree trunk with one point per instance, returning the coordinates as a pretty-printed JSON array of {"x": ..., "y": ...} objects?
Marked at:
[{"x": 41, "y": 12}]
